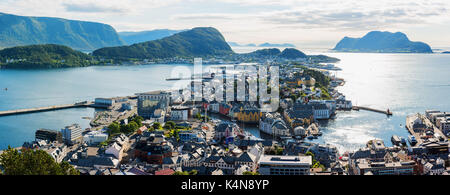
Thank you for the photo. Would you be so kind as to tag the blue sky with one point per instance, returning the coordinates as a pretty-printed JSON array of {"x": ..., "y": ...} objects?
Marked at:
[{"x": 306, "y": 23}]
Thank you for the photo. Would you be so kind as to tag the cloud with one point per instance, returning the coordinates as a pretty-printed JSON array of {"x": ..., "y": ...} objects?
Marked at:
[{"x": 94, "y": 8}]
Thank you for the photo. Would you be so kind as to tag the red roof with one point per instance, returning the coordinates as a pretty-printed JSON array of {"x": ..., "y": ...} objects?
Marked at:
[{"x": 165, "y": 172}]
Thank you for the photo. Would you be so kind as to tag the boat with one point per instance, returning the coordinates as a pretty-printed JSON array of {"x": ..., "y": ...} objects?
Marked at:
[
  {"x": 395, "y": 140},
  {"x": 6, "y": 89},
  {"x": 310, "y": 137},
  {"x": 412, "y": 140},
  {"x": 403, "y": 141}
]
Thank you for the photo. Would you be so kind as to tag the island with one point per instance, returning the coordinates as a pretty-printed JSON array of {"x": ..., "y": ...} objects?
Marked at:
[{"x": 382, "y": 42}]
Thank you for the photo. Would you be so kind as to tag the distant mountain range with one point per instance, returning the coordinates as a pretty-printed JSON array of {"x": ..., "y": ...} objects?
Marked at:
[
  {"x": 382, "y": 42},
  {"x": 84, "y": 36},
  {"x": 234, "y": 44},
  {"x": 198, "y": 42},
  {"x": 143, "y": 36}
]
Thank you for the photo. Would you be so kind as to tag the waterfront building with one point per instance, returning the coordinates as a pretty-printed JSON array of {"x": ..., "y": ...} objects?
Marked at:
[
  {"x": 273, "y": 125},
  {"x": 248, "y": 114},
  {"x": 104, "y": 102},
  {"x": 72, "y": 134},
  {"x": 299, "y": 115},
  {"x": 285, "y": 165},
  {"x": 149, "y": 102},
  {"x": 342, "y": 104},
  {"x": 321, "y": 111},
  {"x": 48, "y": 135}
]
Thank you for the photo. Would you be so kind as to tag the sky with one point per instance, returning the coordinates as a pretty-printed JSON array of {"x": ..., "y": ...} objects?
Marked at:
[{"x": 305, "y": 23}]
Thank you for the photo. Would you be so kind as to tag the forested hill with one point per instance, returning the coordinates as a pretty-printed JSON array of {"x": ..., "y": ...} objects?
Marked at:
[
  {"x": 197, "y": 42},
  {"x": 43, "y": 56}
]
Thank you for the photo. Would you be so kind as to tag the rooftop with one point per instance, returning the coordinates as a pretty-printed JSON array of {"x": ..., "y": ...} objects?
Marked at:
[{"x": 286, "y": 160}]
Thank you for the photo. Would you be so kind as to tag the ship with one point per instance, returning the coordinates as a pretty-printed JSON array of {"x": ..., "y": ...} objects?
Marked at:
[
  {"x": 412, "y": 140},
  {"x": 395, "y": 140}
]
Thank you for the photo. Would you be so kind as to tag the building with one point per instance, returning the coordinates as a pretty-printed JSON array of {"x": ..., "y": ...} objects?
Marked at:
[
  {"x": 248, "y": 115},
  {"x": 49, "y": 135},
  {"x": 273, "y": 125},
  {"x": 72, "y": 134},
  {"x": 285, "y": 165},
  {"x": 104, "y": 102},
  {"x": 225, "y": 130},
  {"x": 321, "y": 111},
  {"x": 179, "y": 113},
  {"x": 366, "y": 166},
  {"x": 151, "y": 101},
  {"x": 444, "y": 125},
  {"x": 95, "y": 137}
]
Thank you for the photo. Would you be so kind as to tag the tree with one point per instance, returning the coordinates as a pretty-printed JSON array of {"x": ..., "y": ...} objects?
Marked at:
[
  {"x": 114, "y": 128},
  {"x": 193, "y": 172},
  {"x": 170, "y": 125},
  {"x": 250, "y": 173},
  {"x": 156, "y": 125},
  {"x": 33, "y": 162}
]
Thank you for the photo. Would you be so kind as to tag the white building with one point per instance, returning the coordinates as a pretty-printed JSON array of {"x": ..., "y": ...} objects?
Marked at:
[
  {"x": 72, "y": 134},
  {"x": 179, "y": 114},
  {"x": 95, "y": 137},
  {"x": 321, "y": 111},
  {"x": 285, "y": 165},
  {"x": 116, "y": 150}
]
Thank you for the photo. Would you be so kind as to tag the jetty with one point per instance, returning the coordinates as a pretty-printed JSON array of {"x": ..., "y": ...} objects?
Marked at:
[{"x": 386, "y": 112}]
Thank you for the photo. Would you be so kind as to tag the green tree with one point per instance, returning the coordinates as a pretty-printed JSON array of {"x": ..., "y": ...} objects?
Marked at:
[
  {"x": 170, "y": 125},
  {"x": 33, "y": 162},
  {"x": 250, "y": 173},
  {"x": 156, "y": 125},
  {"x": 114, "y": 128}
]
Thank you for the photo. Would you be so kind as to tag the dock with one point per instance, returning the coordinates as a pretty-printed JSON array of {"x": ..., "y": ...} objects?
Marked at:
[{"x": 386, "y": 112}]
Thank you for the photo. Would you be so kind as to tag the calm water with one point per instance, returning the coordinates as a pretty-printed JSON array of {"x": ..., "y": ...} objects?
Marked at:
[{"x": 405, "y": 83}]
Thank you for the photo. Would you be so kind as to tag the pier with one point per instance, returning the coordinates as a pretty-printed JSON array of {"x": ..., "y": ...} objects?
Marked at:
[
  {"x": 45, "y": 109},
  {"x": 85, "y": 104},
  {"x": 386, "y": 112}
]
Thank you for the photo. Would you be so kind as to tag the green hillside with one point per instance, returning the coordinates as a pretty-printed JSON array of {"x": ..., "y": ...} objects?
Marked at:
[
  {"x": 43, "y": 56},
  {"x": 198, "y": 42}
]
